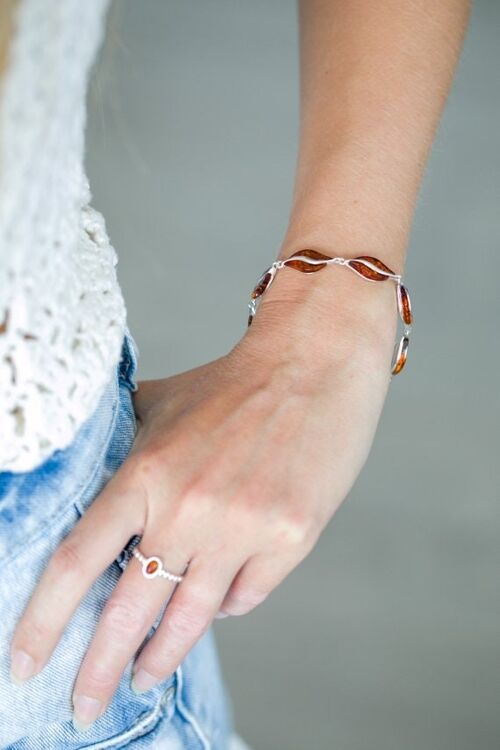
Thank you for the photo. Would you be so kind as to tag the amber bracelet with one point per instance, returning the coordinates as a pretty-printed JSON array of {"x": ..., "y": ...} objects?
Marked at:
[{"x": 366, "y": 266}]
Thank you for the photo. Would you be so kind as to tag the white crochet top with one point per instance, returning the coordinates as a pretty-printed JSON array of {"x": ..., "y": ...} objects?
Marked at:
[{"x": 62, "y": 315}]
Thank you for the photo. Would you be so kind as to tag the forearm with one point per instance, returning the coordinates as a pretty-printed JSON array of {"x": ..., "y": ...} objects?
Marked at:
[{"x": 374, "y": 77}]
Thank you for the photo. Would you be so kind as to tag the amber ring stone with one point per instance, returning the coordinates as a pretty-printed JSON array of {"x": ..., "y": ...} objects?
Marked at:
[{"x": 153, "y": 567}]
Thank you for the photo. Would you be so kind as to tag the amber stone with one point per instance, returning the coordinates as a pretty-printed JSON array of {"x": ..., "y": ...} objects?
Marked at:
[
  {"x": 357, "y": 265},
  {"x": 262, "y": 285},
  {"x": 4, "y": 323},
  {"x": 404, "y": 305},
  {"x": 303, "y": 265},
  {"x": 401, "y": 356},
  {"x": 152, "y": 566}
]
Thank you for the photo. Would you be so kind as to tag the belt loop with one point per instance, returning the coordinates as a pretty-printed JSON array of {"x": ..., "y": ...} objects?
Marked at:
[{"x": 129, "y": 360}]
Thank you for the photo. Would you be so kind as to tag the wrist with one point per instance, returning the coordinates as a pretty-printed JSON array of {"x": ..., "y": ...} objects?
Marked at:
[
  {"x": 356, "y": 229},
  {"x": 326, "y": 316}
]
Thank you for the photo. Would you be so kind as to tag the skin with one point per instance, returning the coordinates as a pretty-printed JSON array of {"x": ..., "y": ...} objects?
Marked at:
[
  {"x": 277, "y": 430},
  {"x": 7, "y": 10}
]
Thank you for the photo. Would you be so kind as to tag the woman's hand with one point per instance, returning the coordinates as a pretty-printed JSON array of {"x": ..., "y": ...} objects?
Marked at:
[{"x": 236, "y": 468}]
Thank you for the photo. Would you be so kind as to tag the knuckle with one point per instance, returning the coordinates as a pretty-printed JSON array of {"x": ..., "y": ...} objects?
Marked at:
[
  {"x": 244, "y": 599},
  {"x": 197, "y": 501},
  {"x": 123, "y": 617},
  {"x": 187, "y": 622},
  {"x": 67, "y": 560},
  {"x": 98, "y": 681},
  {"x": 147, "y": 465},
  {"x": 32, "y": 636},
  {"x": 147, "y": 470},
  {"x": 151, "y": 468},
  {"x": 293, "y": 529}
]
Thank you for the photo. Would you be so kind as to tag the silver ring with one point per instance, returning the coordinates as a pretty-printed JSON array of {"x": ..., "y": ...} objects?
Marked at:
[{"x": 153, "y": 567}]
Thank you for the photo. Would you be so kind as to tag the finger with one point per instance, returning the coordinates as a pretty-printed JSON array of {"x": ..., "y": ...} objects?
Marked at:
[
  {"x": 125, "y": 621},
  {"x": 188, "y": 615},
  {"x": 93, "y": 543},
  {"x": 253, "y": 583}
]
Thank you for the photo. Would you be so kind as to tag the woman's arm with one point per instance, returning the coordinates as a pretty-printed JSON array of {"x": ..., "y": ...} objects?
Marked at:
[
  {"x": 374, "y": 77},
  {"x": 239, "y": 464}
]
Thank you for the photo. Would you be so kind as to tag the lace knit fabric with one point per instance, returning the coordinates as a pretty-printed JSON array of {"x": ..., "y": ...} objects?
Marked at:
[{"x": 62, "y": 315}]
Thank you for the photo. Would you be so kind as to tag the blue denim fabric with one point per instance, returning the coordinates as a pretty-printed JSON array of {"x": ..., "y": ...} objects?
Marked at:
[{"x": 189, "y": 710}]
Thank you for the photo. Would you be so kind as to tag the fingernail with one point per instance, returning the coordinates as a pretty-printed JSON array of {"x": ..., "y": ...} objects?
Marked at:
[
  {"x": 86, "y": 711},
  {"x": 220, "y": 615},
  {"x": 22, "y": 666},
  {"x": 142, "y": 681}
]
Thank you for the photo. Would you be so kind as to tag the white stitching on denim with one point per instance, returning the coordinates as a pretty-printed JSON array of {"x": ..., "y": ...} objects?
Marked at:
[{"x": 139, "y": 729}]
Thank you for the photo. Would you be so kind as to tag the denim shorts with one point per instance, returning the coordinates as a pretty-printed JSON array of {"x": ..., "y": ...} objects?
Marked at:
[{"x": 189, "y": 709}]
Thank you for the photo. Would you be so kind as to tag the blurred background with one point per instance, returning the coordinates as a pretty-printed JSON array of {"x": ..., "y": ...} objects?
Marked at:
[{"x": 387, "y": 637}]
